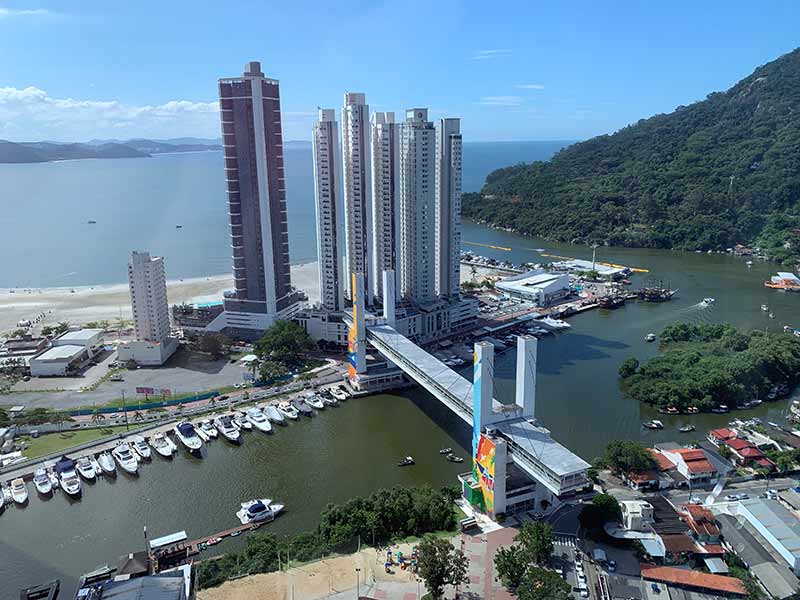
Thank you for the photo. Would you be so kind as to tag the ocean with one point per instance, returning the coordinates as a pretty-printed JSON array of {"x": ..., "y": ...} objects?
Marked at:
[{"x": 46, "y": 240}]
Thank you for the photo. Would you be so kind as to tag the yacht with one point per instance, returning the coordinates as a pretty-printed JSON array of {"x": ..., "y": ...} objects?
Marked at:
[
  {"x": 67, "y": 477},
  {"x": 654, "y": 424},
  {"x": 554, "y": 323},
  {"x": 257, "y": 511},
  {"x": 338, "y": 393},
  {"x": 125, "y": 459},
  {"x": 208, "y": 428},
  {"x": 708, "y": 301},
  {"x": 241, "y": 422},
  {"x": 288, "y": 411},
  {"x": 140, "y": 447},
  {"x": 314, "y": 401},
  {"x": 259, "y": 421},
  {"x": 19, "y": 491},
  {"x": 407, "y": 461},
  {"x": 162, "y": 444},
  {"x": 85, "y": 468},
  {"x": 42, "y": 482},
  {"x": 650, "y": 337},
  {"x": 107, "y": 464},
  {"x": 187, "y": 435},
  {"x": 273, "y": 414},
  {"x": 686, "y": 428},
  {"x": 228, "y": 429},
  {"x": 302, "y": 407},
  {"x": 328, "y": 399}
]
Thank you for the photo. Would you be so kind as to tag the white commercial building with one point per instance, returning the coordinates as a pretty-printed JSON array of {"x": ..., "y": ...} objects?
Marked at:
[
  {"x": 325, "y": 140},
  {"x": 385, "y": 191},
  {"x": 357, "y": 207},
  {"x": 91, "y": 339},
  {"x": 58, "y": 361},
  {"x": 538, "y": 287},
  {"x": 448, "y": 208}
]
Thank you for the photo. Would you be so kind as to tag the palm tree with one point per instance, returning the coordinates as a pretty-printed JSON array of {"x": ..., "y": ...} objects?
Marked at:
[
  {"x": 138, "y": 416},
  {"x": 97, "y": 416}
]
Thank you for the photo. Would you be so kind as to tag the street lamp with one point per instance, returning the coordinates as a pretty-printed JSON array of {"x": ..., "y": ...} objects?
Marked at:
[{"x": 358, "y": 583}]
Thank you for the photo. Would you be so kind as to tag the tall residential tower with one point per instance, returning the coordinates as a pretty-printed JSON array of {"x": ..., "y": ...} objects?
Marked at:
[
  {"x": 448, "y": 207},
  {"x": 385, "y": 188}
]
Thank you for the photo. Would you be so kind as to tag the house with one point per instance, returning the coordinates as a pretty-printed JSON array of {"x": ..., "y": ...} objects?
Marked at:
[
  {"x": 654, "y": 479},
  {"x": 702, "y": 523},
  {"x": 720, "y": 436},
  {"x": 719, "y": 585},
  {"x": 744, "y": 454},
  {"x": 692, "y": 464},
  {"x": 637, "y": 515}
]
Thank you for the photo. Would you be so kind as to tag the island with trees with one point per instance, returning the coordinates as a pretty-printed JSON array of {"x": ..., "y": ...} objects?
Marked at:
[{"x": 709, "y": 366}]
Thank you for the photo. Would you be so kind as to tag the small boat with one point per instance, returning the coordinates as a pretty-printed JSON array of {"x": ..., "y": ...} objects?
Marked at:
[
  {"x": 226, "y": 427},
  {"x": 654, "y": 424},
  {"x": 302, "y": 407},
  {"x": 765, "y": 308},
  {"x": 314, "y": 401},
  {"x": 162, "y": 445},
  {"x": 338, "y": 393},
  {"x": 445, "y": 451},
  {"x": 686, "y": 428},
  {"x": 273, "y": 414},
  {"x": 650, "y": 337},
  {"x": 773, "y": 424},
  {"x": 328, "y": 399},
  {"x": 749, "y": 263},
  {"x": 453, "y": 458},
  {"x": 107, "y": 464},
  {"x": 42, "y": 482},
  {"x": 259, "y": 421},
  {"x": 187, "y": 435},
  {"x": 19, "y": 491},
  {"x": 208, "y": 428},
  {"x": 67, "y": 476},
  {"x": 141, "y": 448},
  {"x": 771, "y": 315},
  {"x": 288, "y": 411},
  {"x": 241, "y": 422},
  {"x": 721, "y": 409},
  {"x": 91, "y": 222},
  {"x": 256, "y": 511},
  {"x": 85, "y": 468},
  {"x": 98, "y": 470},
  {"x": 408, "y": 460},
  {"x": 692, "y": 410},
  {"x": 53, "y": 480},
  {"x": 125, "y": 459},
  {"x": 708, "y": 301},
  {"x": 178, "y": 226}
]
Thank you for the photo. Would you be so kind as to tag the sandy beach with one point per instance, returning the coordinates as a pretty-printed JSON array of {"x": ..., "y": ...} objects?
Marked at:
[{"x": 110, "y": 302}]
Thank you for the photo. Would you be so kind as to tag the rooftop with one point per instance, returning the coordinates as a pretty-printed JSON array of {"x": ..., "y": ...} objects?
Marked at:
[
  {"x": 722, "y": 434},
  {"x": 82, "y": 335},
  {"x": 664, "y": 464},
  {"x": 779, "y": 521},
  {"x": 693, "y": 579},
  {"x": 779, "y": 580},
  {"x": 537, "y": 442},
  {"x": 742, "y": 541},
  {"x": 65, "y": 352}
]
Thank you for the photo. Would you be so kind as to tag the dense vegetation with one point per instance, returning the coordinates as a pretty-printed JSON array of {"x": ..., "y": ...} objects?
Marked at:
[
  {"x": 280, "y": 350},
  {"x": 381, "y": 517},
  {"x": 706, "y": 176},
  {"x": 533, "y": 545},
  {"x": 711, "y": 364}
]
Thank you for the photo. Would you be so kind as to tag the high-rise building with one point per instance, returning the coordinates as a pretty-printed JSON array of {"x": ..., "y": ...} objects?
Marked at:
[
  {"x": 385, "y": 191},
  {"x": 417, "y": 207},
  {"x": 330, "y": 255},
  {"x": 250, "y": 113},
  {"x": 148, "y": 284},
  {"x": 448, "y": 207},
  {"x": 357, "y": 208}
]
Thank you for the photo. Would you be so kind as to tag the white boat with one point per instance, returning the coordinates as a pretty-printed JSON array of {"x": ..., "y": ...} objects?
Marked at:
[
  {"x": 650, "y": 337},
  {"x": 200, "y": 433},
  {"x": 288, "y": 411},
  {"x": 241, "y": 422},
  {"x": 67, "y": 477},
  {"x": 162, "y": 444},
  {"x": 338, "y": 393},
  {"x": 554, "y": 323},
  {"x": 85, "y": 468},
  {"x": 259, "y": 421},
  {"x": 208, "y": 428},
  {"x": 314, "y": 401},
  {"x": 187, "y": 435},
  {"x": 125, "y": 459},
  {"x": 226, "y": 427},
  {"x": 107, "y": 464},
  {"x": 708, "y": 301},
  {"x": 53, "y": 480},
  {"x": 140, "y": 446},
  {"x": 255, "y": 511},
  {"x": 765, "y": 308},
  {"x": 273, "y": 414},
  {"x": 328, "y": 399},
  {"x": 42, "y": 482},
  {"x": 19, "y": 491},
  {"x": 98, "y": 470}
]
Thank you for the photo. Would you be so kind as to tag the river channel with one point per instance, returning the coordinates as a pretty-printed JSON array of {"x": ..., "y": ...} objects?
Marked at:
[{"x": 352, "y": 449}]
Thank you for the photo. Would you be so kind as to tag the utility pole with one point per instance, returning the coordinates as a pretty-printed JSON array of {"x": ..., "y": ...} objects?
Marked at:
[
  {"x": 358, "y": 583},
  {"x": 594, "y": 253},
  {"x": 125, "y": 411}
]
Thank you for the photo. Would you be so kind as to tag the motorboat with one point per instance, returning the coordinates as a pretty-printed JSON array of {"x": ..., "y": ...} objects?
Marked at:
[
  {"x": 258, "y": 511},
  {"x": 314, "y": 401},
  {"x": 764, "y": 308},
  {"x": 708, "y": 301},
  {"x": 687, "y": 428},
  {"x": 273, "y": 414},
  {"x": 328, "y": 399},
  {"x": 650, "y": 337},
  {"x": 749, "y": 263},
  {"x": 85, "y": 468},
  {"x": 207, "y": 427},
  {"x": 19, "y": 491},
  {"x": 125, "y": 458},
  {"x": 654, "y": 424},
  {"x": 771, "y": 315},
  {"x": 453, "y": 458},
  {"x": 241, "y": 422},
  {"x": 200, "y": 433},
  {"x": 187, "y": 435},
  {"x": 338, "y": 393},
  {"x": 226, "y": 427},
  {"x": 721, "y": 409},
  {"x": 408, "y": 460},
  {"x": 162, "y": 445},
  {"x": 140, "y": 447},
  {"x": 259, "y": 421},
  {"x": 67, "y": 476},
  {"x": 42, "y": 482},
  {"x": 447, "y": 450},
  {"x": 107, "y": 464},
  {"x": 556, "y": 324},
  {"x": 53, "y": 480},
  {"x": 98, "y": 470},
  {"x": 302, "y": 407},
  {"x": 288, "y": 411}
]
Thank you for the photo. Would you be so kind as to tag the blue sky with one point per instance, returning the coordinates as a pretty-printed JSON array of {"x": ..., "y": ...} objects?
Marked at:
[{"x": 511, "y": 70}]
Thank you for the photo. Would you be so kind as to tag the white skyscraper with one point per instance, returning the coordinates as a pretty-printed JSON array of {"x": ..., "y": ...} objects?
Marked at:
[
  {"x": 325, "y": 139},
  {"x": 417, "y": 207},
  {"x": 148, "y": 285},
  {"x": 357, "y": 208},
  {"x": 385, "y": 191},
  {"x": 448, "y": 207}
]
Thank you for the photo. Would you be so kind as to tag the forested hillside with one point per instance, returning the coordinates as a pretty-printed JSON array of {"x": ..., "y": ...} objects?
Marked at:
[{"x": 706, "y": 176}]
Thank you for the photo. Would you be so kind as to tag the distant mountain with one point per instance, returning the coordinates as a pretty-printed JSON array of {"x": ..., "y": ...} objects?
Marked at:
[
  {"x": 33, "y": 152},
  {"x": 17, "y": 153},
  {"x": 160, "y": 147},
  {"x": 171, "y": 141}
]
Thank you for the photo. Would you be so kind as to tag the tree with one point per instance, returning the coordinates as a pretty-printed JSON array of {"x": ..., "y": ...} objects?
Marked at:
[
  {"x": 540, "y": 584},
  {"x": 270, "y": 370},
  {"x": 440, "y": 565},
  {"x": 97, "y": 416},
  {"x": 283, "y": 343},
  {"x": 511, "y": 564},
  {"x": 594, "y": 516},
  {"x": 628, "y": 367},
  {"x": 622, "y": 456},
  {"x": 536, "y": 540},
  {"x": 608, "y": 506},
  {"x": 725, "y": 452},
  {"x": 212, "y": 343}
]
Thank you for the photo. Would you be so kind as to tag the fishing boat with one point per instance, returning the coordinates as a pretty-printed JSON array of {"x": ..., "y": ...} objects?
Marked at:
[
  {"x": 408, "y": 460},
  {"x": 85, "y": 468},
  {"x": 445, "y": 450},
  {"x": 302, "y": 407},
  {"x": 453, "y": 458},
  {"x": 162, "y": 445},
  {"x": 314, "y": 401},
  {"x": 141, "y": 448},
  {"x": 288, "y": 411},
  {"x": 258, "y": 511},
  {"x": 228, "y": 429},
  {"x": 686, "y": 428},
  {"x": 107, "y": 464},
  {"x": 125, "y": 459},
  {"x": 259, "y": 421},
  {"x": 187, "y": 435},
  {"x": 207, "y": 427},
  {"x": 42, "y": 482},
  {"x": 19, "y": 491},
  {"x": 67, "y": 476},
  {"x": 650, "y": 337}
]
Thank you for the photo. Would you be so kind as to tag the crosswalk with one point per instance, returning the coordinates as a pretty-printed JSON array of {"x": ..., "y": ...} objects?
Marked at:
[{"x": 564, "y": 540}]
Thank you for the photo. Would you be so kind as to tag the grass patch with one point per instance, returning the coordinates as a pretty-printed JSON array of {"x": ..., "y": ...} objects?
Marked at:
[{"x": 49, "y": 443}]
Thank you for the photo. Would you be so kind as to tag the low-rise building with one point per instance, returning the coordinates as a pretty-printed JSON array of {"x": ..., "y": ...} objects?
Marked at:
[
  {"x": 745, "y": 454},
  {"x": 720, "y": 436},
  {"x": 692, "y": 464},
  {"x": 777, "y": 525},
  {"x": 719, "y": 585},
  {"x": 58, "y": 361},
  {"x": 637, "y": 515},
  {"x": 702, "y": 523},
  {"x": 539, "y": 287},
  {"x": 90, "y": 339}
]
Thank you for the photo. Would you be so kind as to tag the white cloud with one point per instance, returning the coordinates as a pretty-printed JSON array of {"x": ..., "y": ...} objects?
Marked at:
[
  {"x": 529, "y": 86},
  {"x": 501, "y": 101},
  {"x": 490, "y": 54},
  {"x": 32, "y": 114},
  {"x": 29, "y": 12}
]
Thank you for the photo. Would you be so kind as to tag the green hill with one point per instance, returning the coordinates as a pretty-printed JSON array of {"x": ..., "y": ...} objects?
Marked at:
[{"x": 706, "y": 176}]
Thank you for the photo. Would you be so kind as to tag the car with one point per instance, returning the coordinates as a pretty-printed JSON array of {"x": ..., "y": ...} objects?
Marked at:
[
  {"x": 584, "y": 593},
  {"x": 744, "y": 497},
  {"x": 116, "y": 378},
  {"x": 223, "y": 397},
  {"x": 655, "y": 588},
  {"x": 612, "y": 565},
  {"x": 732, "y": 497},
  {"x": 695, "y": 500}
]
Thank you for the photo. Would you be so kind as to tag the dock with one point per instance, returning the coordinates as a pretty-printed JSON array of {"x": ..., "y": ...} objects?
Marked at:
[{"x": 179, "y": 553}]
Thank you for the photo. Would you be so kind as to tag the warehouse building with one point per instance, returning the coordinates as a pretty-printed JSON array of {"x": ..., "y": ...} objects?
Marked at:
[
  {"x": 539, "y": 287},
  {"x": 58, "y": 361},
  {"x": 777, "y": 525}
]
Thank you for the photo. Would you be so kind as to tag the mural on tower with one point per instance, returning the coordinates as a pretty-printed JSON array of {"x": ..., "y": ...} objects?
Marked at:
[
  {"x": 483, "y": 471},
  {"x": 352, "y": 335}
]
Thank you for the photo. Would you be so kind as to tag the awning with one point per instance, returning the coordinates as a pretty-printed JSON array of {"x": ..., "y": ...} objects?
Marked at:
[
  {"x": 654, "y": 548},
  {"x": 716, "y": 565}
]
